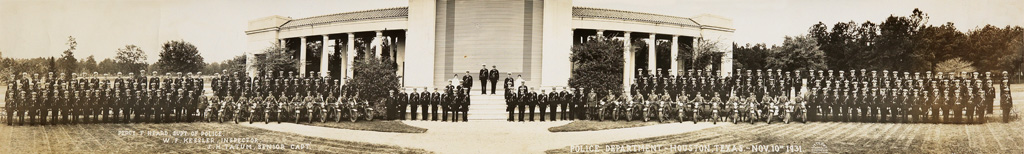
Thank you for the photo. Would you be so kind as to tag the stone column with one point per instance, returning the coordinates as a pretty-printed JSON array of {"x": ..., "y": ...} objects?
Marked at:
[
  {"x": 674, "y": 56},
  {"x": 652, "y": 54},
  {"x": 350, "y": 54},
  {"x": 302, "y": 56},
  {"x": 627, "y": 69},
  {"x": 324, "y": 58},
  {"x": 378, "y": 42}
]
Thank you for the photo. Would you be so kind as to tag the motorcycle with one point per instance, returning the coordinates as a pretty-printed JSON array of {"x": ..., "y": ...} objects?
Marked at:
[
  {"x": 735, "y": 108},
  {"x": 628, "y": 107},
  {"x": 238, "y": 112},
  {"x": 696, "y": 111},
  {"x": 252, "y": 111},
  {"x": 353, "y": 111},
  {"x": 681, "y": 109},
  {"x": 337, "y": 110},
  {"x": 661, "y": 111},
  {"x": 368, "y": 110},
  {"x": 773, "y": 111},
  {"x": 615, "y": 107},
  {"x": 297, "y": 108},
  {"x": 311, "y": 110},
  {"x": 280, "y": 108},
  {"x": 323, "y": 112}
]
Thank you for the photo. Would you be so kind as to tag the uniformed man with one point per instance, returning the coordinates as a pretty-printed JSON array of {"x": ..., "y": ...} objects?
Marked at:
[
  {"x": 425, "y": 102},
  {"x": 1006, "y": 101},
  {"x": 543, "y": 102},
  {"x": 521, "y": 100},
  {"x": 435, "y": 103},
  {"x": 532, "y": 101},
  {"x": 483, "y": 79},
  {"x": 414, "y": 102},
  {"x": 493, "y": 76}
]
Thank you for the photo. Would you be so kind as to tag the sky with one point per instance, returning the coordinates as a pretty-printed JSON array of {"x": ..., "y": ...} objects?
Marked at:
[{"x": 40, "y": 28}]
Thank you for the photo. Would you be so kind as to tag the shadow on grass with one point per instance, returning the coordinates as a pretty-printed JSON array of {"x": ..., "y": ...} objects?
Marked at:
[
  {"x": 587, "y": 125},
  {"x": 377, "y": 126}
]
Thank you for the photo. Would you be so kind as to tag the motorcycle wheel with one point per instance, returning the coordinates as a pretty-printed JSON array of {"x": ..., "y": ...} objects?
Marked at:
[
  {"x": 353, "y": 116},
  {"x": 297, "y": 117},
  {"x": 369, "y": 116},
  {"x": 804, "y": 117},
  {"x": 615, "y": 115},
  {"x": 250, "y": 118},
  {"x": 714, "y": 118},
  {"x": 681, "y": 116},
  {"x": 646, "y": 116},
  {"x": 735, "y": 117},
  {"x": 323, "y": 116},
  {"x": 694, "y": 118},
  {"x": 236, "y": 117},
  {"x": 788, "y": 116},
  {"x": 629, "y": 115},
  {"x": 600, "y": 115},
  {"x": 278, "y": 118}
]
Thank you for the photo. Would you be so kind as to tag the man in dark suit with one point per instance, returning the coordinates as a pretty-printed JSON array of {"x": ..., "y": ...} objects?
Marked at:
[
  {"x": 414, "y": 102},
  {"x": 520, "y": 101},
  {"x": 494, "y": 78},
  {"x": 483, "y": 79},
  {"x": 467, "y": 80}
]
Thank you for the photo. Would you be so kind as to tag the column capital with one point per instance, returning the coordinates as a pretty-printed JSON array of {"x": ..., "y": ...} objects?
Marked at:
[
  {"x": 303, "y": 37},
  {"x": 350, "y": 35},
  {"x": 325, "y": 35}
]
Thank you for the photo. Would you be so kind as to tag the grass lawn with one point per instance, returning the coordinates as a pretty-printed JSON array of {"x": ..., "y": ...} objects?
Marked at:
[
  {"x": 376, "y": 125},
  {"x": 587, "y": 125},
  {"x": 105, "y": 138}
]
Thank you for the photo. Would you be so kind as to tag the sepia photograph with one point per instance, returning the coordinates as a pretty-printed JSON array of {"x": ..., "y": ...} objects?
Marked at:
[{"x": 511, "y": 76}]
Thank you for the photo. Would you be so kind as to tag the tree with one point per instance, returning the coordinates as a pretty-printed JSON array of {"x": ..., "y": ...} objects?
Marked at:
[
  {"x": 937, "y": 44},
  {"x": 750, "y": 57},
  {"x": 51, "y": 65},
  {"x": 708, "y": 55},
  {"x": 598, "y": 66},
  {"x": 179, "y": 56},
  {"x": 955, "y": 65},
  {"x": 797, "y": 53},
  {"x": 373, "y": 78},
  {"x": 896, "y": 42},
  {"x": 107, "y": 65},
  {"x": 276, "y": 58},
  {"x": 89, "y": 65},
  {"x": 67, "y": 60},
  {"x": 236, "y": 64},
  {"x": 131, "y": 58}
]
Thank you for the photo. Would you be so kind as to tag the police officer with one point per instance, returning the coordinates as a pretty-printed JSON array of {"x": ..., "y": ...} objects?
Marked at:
[
  {"x": 521, "y": 100},
  {"x": 414, "y": 102},
  {"x": 484, "y": 76}
]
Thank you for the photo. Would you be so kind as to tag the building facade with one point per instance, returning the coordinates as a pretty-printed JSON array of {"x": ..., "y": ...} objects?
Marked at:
[{"x": 432, "y": 40}]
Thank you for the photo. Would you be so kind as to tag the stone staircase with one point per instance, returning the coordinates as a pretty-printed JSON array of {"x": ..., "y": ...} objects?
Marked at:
[{"x": 487, "y": 107}]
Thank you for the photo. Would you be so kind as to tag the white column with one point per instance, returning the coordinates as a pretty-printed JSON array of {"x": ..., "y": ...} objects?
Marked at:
[
  {"x": 420, "y": 38},
  {"x": 600, "y": 33},
  {"x": 302, "y": 56},
  {"x": 324, "y": 59},
  {"x": 674, "y": 55},
  {"x": 693, "y": 52},
  {"x": 379, "y": 43},
  {"x": 652, "y": 54},
  {"x": 283, "y": 43},
  {"x": 350, "y": 54},
  {"x": 627, "y": 69},
  {"x": 400, "y": 58}
]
